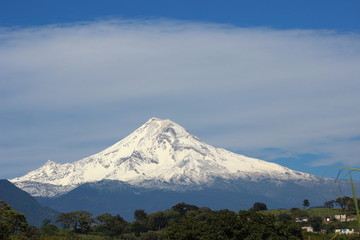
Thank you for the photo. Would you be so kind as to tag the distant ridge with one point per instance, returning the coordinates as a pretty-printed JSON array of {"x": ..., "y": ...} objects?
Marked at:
[{"x": 22, "y": 202}]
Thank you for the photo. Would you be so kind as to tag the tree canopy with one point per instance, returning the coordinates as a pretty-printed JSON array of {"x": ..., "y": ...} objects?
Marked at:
[
  {"x": 258, "y": 206},
  {"x": 11, "y": 222},
  {"x": 306, "y": 203},
  {"x": 79, "y": 221},
  {"x": 226, "y": 224}
]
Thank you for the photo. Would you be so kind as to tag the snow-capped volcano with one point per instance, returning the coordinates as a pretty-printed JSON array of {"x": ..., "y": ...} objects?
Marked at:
[{"x": 160, "y": 153}]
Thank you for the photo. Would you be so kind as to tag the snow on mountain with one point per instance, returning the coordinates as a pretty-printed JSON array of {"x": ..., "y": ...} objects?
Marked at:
[{"x": 160, "y": 152}]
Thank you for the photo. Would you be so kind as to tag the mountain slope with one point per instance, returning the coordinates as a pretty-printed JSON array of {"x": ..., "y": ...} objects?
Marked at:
[
  {"x": 160, "y": 154},
  {"x": 22, "y": 202},
  {"x": 118, "y": 197}
]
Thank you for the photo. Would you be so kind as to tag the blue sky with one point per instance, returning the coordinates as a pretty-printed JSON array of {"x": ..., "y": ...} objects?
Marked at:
[
  {"x": 276, "y": 80},
  {"x": 321, "y": 14}
]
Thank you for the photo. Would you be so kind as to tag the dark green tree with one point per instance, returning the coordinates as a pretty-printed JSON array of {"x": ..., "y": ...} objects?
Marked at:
[
  {"x": 350, "y": 204},
  {"x": 137, "y": 228},
  {"x": 150, "y": 235},
  {"x": 258, "y": 206},
  {"x": 288, "y": 231},
  {"x": 140, "y": 215},
  {"x": 315, "y": 223},
  {"x": 79, "y": 221},
  {"x": 329, "y": 204},
  {"x": 306, "y": 203},
  {"x": 224, "y": 225},
  {"x": 283, "y": 217},
  {"x": 47, "y": 228},
  {"x": 256, "y": 225},
  {"x": 11, "y": 222},
  {"x": 203, "y": 212},
  {"x": 298, "y": 213},
  {"x": 188, "y": 228},
  {"x": 183, "y": 208},
  {"x": 171, "y": 216},
  {"x": 157, "y": 221},
  {"x": 342, "y": 202},
  {"x": 65, "y": 220},
  {"x": 110, "y": 225}
]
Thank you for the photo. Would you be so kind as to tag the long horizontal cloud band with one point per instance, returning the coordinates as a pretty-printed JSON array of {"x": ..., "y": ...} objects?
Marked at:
[{"x": 287, "y": 89}]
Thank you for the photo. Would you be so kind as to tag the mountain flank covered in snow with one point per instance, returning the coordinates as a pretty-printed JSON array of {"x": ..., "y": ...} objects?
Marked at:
[{"x": 161, "y": 155}]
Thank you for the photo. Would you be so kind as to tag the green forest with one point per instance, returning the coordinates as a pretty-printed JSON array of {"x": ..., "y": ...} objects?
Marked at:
[{"x": 187, "y": 222}]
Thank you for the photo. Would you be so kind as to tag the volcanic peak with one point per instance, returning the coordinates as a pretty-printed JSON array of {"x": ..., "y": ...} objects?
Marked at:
[{"x": 159, "y": 153}]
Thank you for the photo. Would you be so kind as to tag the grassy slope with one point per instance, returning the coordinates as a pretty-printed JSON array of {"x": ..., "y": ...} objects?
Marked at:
[{"x": 320, "y": 212}]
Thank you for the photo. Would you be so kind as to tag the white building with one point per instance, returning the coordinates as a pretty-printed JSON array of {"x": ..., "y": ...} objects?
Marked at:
[
  {"x": 341, "y": 217},
  {"x": 344, "y": 231},
  {"x": 301, "y": 220},
  {"x": 308, "y": 229}
]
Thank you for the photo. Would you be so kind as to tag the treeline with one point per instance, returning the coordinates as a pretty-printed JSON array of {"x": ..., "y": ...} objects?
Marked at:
[
  {"x": 183, "y": 221},
  {"x": 345, "y": 203}
]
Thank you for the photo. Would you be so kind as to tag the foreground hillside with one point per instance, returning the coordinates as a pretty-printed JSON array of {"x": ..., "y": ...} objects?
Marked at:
[
  {"x": 26, "y": 204},
  {"x": 181, "y": 222}
]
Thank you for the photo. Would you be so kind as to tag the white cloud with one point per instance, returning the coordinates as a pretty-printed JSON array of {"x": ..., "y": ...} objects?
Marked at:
[{"x": 240, "y": 88}]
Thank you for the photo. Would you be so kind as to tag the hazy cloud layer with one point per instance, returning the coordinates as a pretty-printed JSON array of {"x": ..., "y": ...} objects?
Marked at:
[{"x": 68, "y": 91}]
